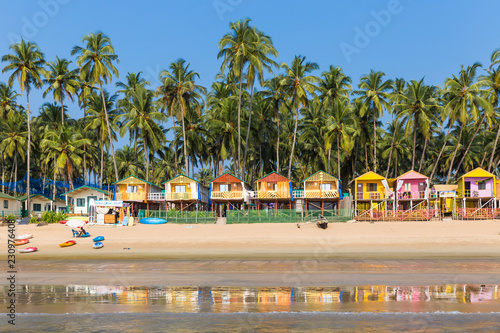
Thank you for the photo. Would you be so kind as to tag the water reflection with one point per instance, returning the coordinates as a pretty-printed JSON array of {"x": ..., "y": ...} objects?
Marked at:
[{"x": 77, "y": 298}]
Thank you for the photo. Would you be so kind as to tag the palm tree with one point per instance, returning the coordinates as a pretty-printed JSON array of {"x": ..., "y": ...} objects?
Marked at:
[
  {"x": 66, "y": 145},
  {"x": 13, "y": 139},
  {"x": 417, "y": 104},
  {"x": 8, "y": 99},
  {"x": 398, "y": 88},
  {"x": 298, "y": 85},
  {"x": 62, "y": 82},
  {"x": 96, "y": 64},
  {"x": 491, "y": 82},
  {"x": 245, "y": 46},
  {"x": 85, "y": 90},
  {"x": 180, "y": 91},
  {"x": 143, "y": 118},
  {"x": 464, "y": 102},
  {"x": 27, "y": 65},
  {"x": 374, "y": 95}
]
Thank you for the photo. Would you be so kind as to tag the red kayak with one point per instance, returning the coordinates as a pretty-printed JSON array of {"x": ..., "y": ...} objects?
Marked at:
[
  {"x": 21, "y": 242},
  {"x": 68, "y": 243},
  {"x": 63, "y": 222},
  {"x": 28, "y": 250}
]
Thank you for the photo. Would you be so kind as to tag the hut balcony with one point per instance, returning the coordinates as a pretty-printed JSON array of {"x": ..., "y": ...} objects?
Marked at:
[{"x": 227, "y": 195}]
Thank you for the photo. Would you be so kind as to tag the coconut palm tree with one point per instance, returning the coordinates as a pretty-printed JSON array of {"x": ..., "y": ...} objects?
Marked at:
[
  {"x": 464, "y": 102},
  {"x": 297, "y": 85},
  {"x": 491, "y": 83},
  {"x": 8, "y": 99},
  {"x": 84, "y": 91},
  {"x": 417, "y": 105},
  {"x": 144, "y": 118},
  {"x": 180, "y": 91},
  {"x": 374, "y": 93},
  {"x": 13, "y": 139},
  {"x": 398, "y": 88},
  {"x": 66, "y": 144},
  {"x": 96, "y": 63},
  {"x": 63, "y": 83},
  {"x": 27, "y": 65}
]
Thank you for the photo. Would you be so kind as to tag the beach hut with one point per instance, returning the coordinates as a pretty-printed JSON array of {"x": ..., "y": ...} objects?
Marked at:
[
  {"x": 411, "y": 188},
  {"x": 185, "y": 193},
  {"x": 140, "y": 194},
  {"x": 228, "y": 192},
  {"x": 476, "y": 195},
  {"x": 443, "y": 197},
  {"x": 41, "y": 203},
  {"x": 81, "y": 196},
  {"x": 274, "y": 190},
  {"x": 10, "y": 205},
  {"x": 321, "y": 191},
  {"x": 371, "y": 194}
]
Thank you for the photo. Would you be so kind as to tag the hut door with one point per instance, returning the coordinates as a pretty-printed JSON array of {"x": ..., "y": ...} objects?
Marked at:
[
  {"x": 467, "y": 189},
  {"x": 359, "y": 191}
]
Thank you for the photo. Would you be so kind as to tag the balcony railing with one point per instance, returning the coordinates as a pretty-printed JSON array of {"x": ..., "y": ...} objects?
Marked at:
[
  {"x": 298, "y": 194},
  {"x": 227, "y": 195},
  {"x": 321, "y": 194},
  {"x": 475, "y": 193},
  {"x": 410, "y": 195},
  {"x": 273, "y": 194},
  {"x": 180, "y": 196},
  {"x": 156, "y": 196},
  {"x": 130, "y": 196},
  {"x": 370, "y": 196}
]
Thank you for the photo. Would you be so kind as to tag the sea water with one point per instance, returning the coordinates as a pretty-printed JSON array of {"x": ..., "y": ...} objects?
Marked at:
[{"x": 363, "y": 308}]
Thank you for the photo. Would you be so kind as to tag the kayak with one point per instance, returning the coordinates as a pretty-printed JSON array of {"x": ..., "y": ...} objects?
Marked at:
[
  {"x": 63, "y": 221},
  {"x": 97, "y": 245},
  {"x": 21, "y": 242},
  {"x": 152, "y": 220},
  {"x": 85, "y": 235},
  {"x": 98, "y": 239},
  {"x": 27, "y": 236},
  {"x": 28, "y": 250},
  {"x": 81, "y": 218},
  {"x": 68, "y": 243}
]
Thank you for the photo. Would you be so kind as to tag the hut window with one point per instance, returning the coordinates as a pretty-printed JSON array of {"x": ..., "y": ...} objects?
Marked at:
[
  {"x": 5, "y": 204},
  {"x": 224, "y": 187},
  {"x": 275, "y": 187},
  {"x": 180, "y": 188},
  {"x": 371, "y": 187},
  {"x": 326, "y": 187},
  {"x": 131, "y": 189},
  {"x": 80, "y": 202},
  {"x": 481, "y": 185},
  {"x": 37, "y": 207},
  {"x": 407, "y": 187}
]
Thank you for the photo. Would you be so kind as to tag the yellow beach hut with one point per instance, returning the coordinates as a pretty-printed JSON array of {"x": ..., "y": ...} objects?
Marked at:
[
  {"x": 371, "y": 192},
  {"x": 185, "y": 193}
]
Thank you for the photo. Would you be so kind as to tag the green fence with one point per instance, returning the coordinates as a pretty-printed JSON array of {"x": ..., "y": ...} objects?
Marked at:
[
  {"x": 285, "y": 216},
  {"x": 16, "y": 213},
  {"x": 173, "y": 216}
]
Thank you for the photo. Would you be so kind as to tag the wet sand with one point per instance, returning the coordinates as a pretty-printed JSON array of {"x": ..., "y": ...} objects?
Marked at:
[{"x": 382, "y": 240}]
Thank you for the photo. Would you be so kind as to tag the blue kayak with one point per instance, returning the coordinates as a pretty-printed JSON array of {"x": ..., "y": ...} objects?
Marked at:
[
  {"x": 97, "y": 245},
  {"x": 98, "y": 239},
  {"x": 152, "y": 220}
]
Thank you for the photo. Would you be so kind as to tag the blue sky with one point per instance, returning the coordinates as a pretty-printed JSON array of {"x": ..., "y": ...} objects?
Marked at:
[{"x": 405, "y": 38}]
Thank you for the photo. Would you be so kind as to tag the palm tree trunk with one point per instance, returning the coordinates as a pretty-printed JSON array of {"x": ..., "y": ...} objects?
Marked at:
[
  {"x": 414, "y": 141},
  {"x": 28, "y": 210},
  {"x": 441, "y": 152},
  {"x": 54, "y": 184},
  {"x": 15, "y": 173},
  {"x": 102, "y": 163},
  {"x": 261, "y": 171},
  {"x": 136, "y": 155},
  {"x": 3, "y": 174},
  {"x": 146, "y": 156},
  {"x": 366, "y": 159},
  {"x": 176, "y": 165},
  {"x": 374, "y": 142},
  {"x": 390, "y": 153},
  {"x": 338, "y": 155},
  {"x": 293, "y": 143},
  {"x": 239, "y": 121},
  {"x": 184, "y": 138},
  {"x": 494, "y": 149},
  {"x": 472, "y": 140},
  {"x": 278, "y": 146},
  {"x": 423, "y": 154},
  {"x": 354, "y": 161},
  {"x": 62, "y": 112},
  {"x": 109, "y": 132},
  {"x": 454, "y": 154},
  {"x": 329, "y": 159},
  {"x": 248, "y": 130},
  {"x": 84, "y": 146}
]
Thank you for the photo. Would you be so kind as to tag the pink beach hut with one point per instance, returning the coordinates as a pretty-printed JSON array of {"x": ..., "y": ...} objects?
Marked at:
[{"x": 412, "y": 191}]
